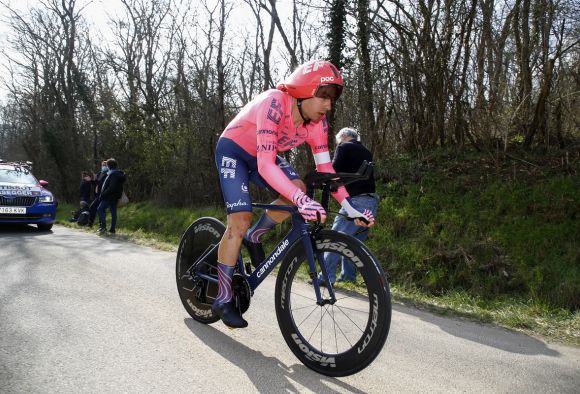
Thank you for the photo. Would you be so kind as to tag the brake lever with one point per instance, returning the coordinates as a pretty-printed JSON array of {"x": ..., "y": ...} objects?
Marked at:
[{"x": 317, "y": 224}]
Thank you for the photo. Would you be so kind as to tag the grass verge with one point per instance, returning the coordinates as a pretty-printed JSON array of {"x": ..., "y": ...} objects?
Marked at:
[{"x": 147, "y": 224}]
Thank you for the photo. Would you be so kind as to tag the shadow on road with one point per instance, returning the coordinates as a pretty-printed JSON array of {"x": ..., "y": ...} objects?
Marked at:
[
  {"x": 264, "y": 372},
  {"x": 485, "y": 334},
  {"x": 17, "y": 229}
]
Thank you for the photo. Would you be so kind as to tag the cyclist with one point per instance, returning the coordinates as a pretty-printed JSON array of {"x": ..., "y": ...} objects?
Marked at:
[{"x": 277, "y": 120}]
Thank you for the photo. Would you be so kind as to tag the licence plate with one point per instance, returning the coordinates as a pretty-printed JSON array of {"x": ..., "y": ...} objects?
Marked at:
[{"x": 16, "y": 210}]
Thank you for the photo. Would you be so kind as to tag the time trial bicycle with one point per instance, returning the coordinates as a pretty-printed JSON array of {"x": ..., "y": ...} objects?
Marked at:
[{"x": 335, "y": 329}]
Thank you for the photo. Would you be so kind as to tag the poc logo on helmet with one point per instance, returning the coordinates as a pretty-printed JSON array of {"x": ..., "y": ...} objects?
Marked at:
[{"x": 327, "y": 79}]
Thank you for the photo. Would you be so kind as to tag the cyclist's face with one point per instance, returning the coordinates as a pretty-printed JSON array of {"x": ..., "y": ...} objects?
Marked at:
[{"x": 316, "y": 107}]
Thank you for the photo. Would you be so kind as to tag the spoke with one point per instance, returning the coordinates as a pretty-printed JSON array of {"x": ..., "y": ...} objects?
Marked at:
[
  {"x": 335, "y": 337},
  {"x": 330, "y": 312},
  {"x": 303, "y": 296},
  {"x": 301, "y": 307},
  {"x": 314, "y": 329},
  {"x": 321, "y": 331},
  {"x": 326, "y": 310},
  {"x": 343, "y": 334},
  {"x": 344, "y": 329},
  {"x": 348, "y": 317},
  {"x": 307, "y": 316},
  {"x": 354, "y": 309},
  {"x": 319, "y": 324},
  {"x": 346, "y": 297}
]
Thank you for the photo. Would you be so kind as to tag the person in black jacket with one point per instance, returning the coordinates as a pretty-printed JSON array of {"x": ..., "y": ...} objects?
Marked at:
[
  {"x": 86, "y": 187},
  {"x": 348, "y": 157},
  {"x": 110, "y": 194},
  {"x": 98, "y": 183}
]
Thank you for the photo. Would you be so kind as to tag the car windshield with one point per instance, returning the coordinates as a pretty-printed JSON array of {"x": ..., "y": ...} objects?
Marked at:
[{"x": 16, "y": 176}]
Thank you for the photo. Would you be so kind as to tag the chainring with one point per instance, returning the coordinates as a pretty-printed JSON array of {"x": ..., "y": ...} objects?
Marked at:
[{"x": 242, "y": 292}]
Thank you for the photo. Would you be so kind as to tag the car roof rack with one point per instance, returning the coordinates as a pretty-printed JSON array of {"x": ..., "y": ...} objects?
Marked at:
[{"x": 18, "y": 165}]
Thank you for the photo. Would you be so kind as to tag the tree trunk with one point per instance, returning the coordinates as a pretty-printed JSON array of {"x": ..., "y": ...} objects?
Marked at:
[{"x": 365, "y": 88}]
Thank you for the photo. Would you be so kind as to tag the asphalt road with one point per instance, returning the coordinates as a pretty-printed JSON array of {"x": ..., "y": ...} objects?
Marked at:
[{"x": 84, "y": 314}]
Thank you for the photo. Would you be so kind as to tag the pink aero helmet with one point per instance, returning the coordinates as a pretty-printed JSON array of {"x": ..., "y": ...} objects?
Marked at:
[{"x": 314, "y": 78}]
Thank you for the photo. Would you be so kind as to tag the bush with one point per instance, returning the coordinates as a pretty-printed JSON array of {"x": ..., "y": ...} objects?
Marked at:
[{"x": 465, "y": 222}]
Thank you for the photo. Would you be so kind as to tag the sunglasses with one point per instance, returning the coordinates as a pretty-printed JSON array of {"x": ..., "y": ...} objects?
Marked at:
[{"x": 328, "y": 91}]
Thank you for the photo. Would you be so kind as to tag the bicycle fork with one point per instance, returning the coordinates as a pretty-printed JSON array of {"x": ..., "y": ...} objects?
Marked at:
[{"x": 309, "y": 247}]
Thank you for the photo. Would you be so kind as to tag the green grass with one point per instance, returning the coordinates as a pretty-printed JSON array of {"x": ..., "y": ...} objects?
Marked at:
[
  {"x": 453, "y": 226},
  {"x": 525, "y": 315},
  {"x": 147, "y": 224}
]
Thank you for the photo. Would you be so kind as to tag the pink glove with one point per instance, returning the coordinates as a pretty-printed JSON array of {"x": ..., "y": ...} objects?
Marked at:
[{"x": 307, "y": 207}]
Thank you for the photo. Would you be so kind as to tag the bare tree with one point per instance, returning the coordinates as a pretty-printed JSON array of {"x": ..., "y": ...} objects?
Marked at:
[{"x": 48, "y": 86}]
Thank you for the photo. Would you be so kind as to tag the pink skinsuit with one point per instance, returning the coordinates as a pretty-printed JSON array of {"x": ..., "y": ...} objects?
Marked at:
[{"x": 265, "y": 127}]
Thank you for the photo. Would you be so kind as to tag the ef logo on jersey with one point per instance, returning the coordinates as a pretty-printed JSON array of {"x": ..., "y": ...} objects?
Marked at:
[{"x": 228, "y": 167}]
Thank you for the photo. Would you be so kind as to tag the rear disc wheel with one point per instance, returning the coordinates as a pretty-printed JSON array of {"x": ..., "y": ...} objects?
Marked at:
[{"x": 194, "y": 257}]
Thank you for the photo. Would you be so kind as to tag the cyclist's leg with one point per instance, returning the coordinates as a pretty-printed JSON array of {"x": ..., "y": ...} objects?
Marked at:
[
  {"x": 237, "y": 226},
  {"x": 268, "y": 220},
  {"x": 232, "y": 164}
]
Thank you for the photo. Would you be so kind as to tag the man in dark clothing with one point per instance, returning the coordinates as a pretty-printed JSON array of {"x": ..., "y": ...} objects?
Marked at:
[
  {"x": 110, "y": 194},
  {"x": 98, "y": 183},
  {"x": 81, "y": 216},
  {"x": 86, "y": 187},
  {"x": 348, "y": 157}
]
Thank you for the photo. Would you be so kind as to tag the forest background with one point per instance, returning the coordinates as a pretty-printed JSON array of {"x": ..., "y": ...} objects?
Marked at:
[{"x": 471, "y": 109}]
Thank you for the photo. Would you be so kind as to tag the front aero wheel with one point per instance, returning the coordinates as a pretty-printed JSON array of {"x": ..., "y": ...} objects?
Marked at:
[
  {"x": 342, "y": 336},
  {"x": 193, "y": 257}
]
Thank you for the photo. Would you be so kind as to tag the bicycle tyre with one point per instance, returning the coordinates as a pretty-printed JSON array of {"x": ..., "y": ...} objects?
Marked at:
[
  {"x": 195, "y": 293},
  {"x": 357, "y": 354}
]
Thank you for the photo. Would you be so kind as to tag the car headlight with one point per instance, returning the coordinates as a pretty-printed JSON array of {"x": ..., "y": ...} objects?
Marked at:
[{"x": 46, "y": 198}]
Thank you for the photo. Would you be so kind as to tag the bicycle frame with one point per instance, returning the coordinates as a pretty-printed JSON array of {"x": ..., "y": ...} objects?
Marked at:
[{"x": 300, "y": 230}]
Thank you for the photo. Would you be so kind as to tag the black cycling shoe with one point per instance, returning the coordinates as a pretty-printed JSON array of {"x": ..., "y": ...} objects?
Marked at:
[
  {"x": 256, "y": 251},
  {"x": 229, "y": 314}
]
